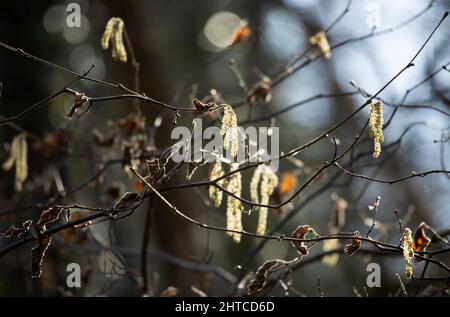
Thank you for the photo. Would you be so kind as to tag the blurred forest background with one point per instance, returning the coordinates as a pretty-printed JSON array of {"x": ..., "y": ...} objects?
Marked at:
[{"x": 178, "y": 45}]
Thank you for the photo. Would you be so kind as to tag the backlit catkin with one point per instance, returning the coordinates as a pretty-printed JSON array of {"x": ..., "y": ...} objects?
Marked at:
[
  {"x": 234, "y": 205},
  {"x": 267, "y": 180},
  {"x": 320, "y": 39},
  {"x": 18, "y": 157},
  {"x": 114, "y": 33},
  {"x": 376, "y": 126},
  {"x": 229, "y": 130},
  {"x": 408, "y": 252},
  {"x": 216, "y": 193}
]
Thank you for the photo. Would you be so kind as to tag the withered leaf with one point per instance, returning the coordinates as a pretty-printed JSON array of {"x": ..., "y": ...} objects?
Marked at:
[
  {"x": 260, "y": 92},
  {"x": 300, "y": 233},
  {"x": 37, "y": 254},
  {"x": 100, "y": 140},
  {"x": 15, "y": 231},
  {"x": 80, "y": 99},
  {"x": 48, "y": 216},
  {"x": 204, "y": 107},
  {"x": 421, "y": 240},
  {"x": 352, "y": 248},
  {"x": 263, "y": 279},
  {"x": 156, "y": 170},
  {"x": 126, "y": 201}
]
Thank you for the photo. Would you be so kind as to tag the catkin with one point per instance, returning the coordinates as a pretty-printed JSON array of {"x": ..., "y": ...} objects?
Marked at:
[
  {"x": 114, "y": 33},
  {"x": 408, "y": 252},
  {"x": 267, "y": 180},
  {"x": 229, "y": 130},
  {"x": 376, "y": 126},
  {"x": 234, "y": 206},
  {"x": 19, "y": 157},
  {"x": 215, "y": 193},
  {"x": 320, "y": 39}
]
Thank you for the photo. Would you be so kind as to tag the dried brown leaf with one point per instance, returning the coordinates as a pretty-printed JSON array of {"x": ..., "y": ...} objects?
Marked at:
[
  {"x": 48, "y": 216},
  {"x": 263, "y": 280},
  {"x": 37, "y": 254},
  {"x": 300, "y": 233},
  {"x": 352, "y": 248}
]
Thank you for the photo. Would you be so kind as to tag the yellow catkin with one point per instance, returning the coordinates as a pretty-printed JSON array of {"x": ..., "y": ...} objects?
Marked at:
[
  {"x": 229, "y": 130},
  {"x": 215, "y": 193},
  {"x": 408, "y": 252},
  {"x": 254, "y": 184},
  {"x": 330, "y": 259},
  {"x": 114, "y": 33},
  {"x": 19, "y": 157},
  {"x": 376, "y": 122},
  {"x": 320, "y": 39},
  {"x": 269, "y": 181},
  {"x": 234, "y": 205}
]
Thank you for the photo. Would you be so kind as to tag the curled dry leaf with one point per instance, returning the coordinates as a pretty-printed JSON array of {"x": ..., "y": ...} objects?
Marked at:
[
  {"x": 128, "y": 200},
  {"x": 421, "y": 240},
  {"x": 80, "y": 100},
  {"x": 352, "y": 248},
  {"x": 156, "y": 170},
  {"x": 15, "y": 231},
  {"x": 264, "y": 276},
  {"x": 260, "y": 92},
  {"x": 48, "y": 216},
  {"x": 37, "y": 253},
  {"x": 300, "y": 233},
  {"x": 204, "y": 107}
]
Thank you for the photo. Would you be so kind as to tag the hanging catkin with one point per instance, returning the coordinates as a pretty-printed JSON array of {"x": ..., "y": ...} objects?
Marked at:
[
  {"x": 18, "y": 156},
  {"x": 234, "y": 205},
  {"x": 215, "y": 194},
  {"x": 229, "y": 130},
  {"x": 376, "y": 126},
  {"x": 114, "y": 33}
]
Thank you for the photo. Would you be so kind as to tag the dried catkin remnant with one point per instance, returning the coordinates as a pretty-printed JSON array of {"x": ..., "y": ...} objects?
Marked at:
[
  {"x": 215, "y": 194},
  {"x": 320, "y": 39},
  {"x": 408, "y": 252},
  {"x": 229, "y": 130},
  {"x": 234, "y": 206},
  {"x": 18, "y": 156},
  {"x": 376, "y": 126},
  {"x": 114, "y": 33},
  {"x": 351, "y": 249},
  {"x": 264, "y": 179}
]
